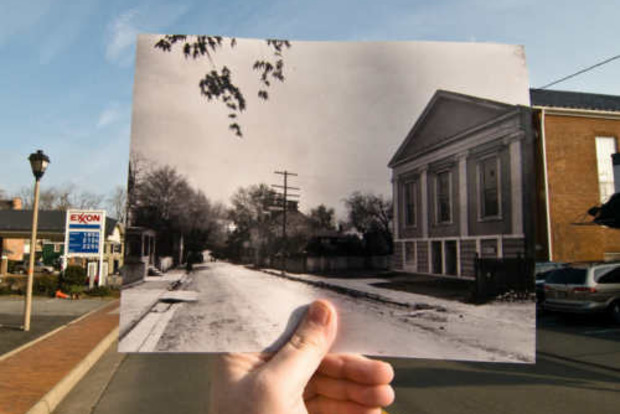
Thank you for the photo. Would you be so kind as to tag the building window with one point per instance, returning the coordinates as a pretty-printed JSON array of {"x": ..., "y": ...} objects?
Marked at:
[
  {"x": 409, "y": 201},
  {"x": 443, "y": 200},
  {"x": 605, "y": 147},
  {"x": 489, "y": 185},
  {"x": 56, "y": 247}
]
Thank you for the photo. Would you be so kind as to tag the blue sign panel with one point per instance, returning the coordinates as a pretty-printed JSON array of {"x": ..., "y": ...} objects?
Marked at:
[{"x": 85, "y": 242}]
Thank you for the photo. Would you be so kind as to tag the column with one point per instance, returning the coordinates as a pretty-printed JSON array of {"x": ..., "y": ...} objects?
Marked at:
[
  {"x": 424, "y": 201},
  {"x": 463, "y": 195},
  {"x": 516, "y": 185}
]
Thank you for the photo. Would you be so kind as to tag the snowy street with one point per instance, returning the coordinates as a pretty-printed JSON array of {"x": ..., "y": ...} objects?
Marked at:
[{"x": 224, "y": 307}]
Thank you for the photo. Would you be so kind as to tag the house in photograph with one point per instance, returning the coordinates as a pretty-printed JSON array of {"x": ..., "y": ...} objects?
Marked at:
[
  {"x": 12, "y": 249},
  {"x": 577, "y": 135},
  {"x": 460, "y": 180}
]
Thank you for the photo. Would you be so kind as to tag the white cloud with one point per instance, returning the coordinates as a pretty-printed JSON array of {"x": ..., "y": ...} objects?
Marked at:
[
  {"x": 112, "y": 114},
  {"x": 122, "y": 31}
]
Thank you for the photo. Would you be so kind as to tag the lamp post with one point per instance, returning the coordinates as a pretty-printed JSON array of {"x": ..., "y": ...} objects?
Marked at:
[{"x": 39, "y": 162}]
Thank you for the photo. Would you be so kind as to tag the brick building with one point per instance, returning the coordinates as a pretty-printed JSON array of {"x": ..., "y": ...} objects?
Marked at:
[
  {"x": 12, "y": 249},
  {"x": 577, "y": 133},
  {"x": 460, "y": 186}
]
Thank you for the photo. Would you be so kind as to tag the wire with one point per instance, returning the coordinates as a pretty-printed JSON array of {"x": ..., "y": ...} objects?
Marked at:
[{"x": 580, "y": 72}]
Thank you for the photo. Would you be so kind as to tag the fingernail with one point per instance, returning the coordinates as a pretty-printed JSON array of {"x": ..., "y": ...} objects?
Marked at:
[{"x": 319, "y": 313}]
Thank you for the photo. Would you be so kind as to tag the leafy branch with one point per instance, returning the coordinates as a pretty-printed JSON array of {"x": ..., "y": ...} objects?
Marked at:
[{"x": 218, "y": 84}]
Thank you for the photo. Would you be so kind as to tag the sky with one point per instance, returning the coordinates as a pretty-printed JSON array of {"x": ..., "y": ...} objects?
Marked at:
[
  {"x": 68, "y": 66},
  {"x": 341, "y": 113}
]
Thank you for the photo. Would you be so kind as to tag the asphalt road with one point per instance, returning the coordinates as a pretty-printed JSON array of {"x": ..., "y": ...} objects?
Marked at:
[
  {"x": 577, "y": 371},
  {"x": 243, "y": 310}
]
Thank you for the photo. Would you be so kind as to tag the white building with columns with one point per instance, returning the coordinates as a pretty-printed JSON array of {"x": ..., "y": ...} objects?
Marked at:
[{"x": 463, "y": 184}]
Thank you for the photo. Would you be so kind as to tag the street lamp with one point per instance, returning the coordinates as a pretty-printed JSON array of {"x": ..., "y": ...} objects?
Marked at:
[{"x": 39, "y": 162}]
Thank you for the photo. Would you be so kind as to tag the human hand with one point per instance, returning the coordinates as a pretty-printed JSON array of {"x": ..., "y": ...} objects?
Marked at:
[{"x": 301, "y": 378}]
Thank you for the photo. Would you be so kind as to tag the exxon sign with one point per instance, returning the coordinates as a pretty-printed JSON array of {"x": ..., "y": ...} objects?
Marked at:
[{"x": 85, "y": 217}]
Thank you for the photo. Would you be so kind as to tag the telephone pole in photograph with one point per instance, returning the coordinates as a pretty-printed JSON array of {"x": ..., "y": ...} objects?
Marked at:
[{"x": 285, "y": 195}]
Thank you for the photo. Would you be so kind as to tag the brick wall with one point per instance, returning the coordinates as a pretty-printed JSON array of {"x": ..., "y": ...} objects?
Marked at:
[{"x": 573, "y": 187}]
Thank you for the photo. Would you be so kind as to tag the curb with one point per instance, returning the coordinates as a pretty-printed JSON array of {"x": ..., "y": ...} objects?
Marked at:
[
  {"x": 50, "y": 401},
  {"x": 355, "y": 293},
  {"x": 127, "y": 328},
  {"x": 50, "y": 333}
]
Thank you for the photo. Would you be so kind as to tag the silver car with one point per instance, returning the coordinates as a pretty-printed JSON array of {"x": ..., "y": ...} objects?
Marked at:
[{"x": 584, "y": 288}]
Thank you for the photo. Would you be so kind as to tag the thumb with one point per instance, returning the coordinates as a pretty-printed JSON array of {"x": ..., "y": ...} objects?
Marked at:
[{"x": 300, "y": 357}]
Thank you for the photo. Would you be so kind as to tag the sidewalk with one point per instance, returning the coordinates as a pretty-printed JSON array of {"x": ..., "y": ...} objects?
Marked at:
[
  {"x": 137, "y": 300},
  {"x": 34, "y": 378}
]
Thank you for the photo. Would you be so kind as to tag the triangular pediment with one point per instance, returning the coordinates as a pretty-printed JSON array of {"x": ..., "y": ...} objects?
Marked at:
[{"x": 447, "y": 115}]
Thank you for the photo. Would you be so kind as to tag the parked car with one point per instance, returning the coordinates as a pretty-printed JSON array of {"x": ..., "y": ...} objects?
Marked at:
[
  {"x": 584, "y": 288},
  {"x": 39, "y": 267},
  {"x": 542, "y": 270}
]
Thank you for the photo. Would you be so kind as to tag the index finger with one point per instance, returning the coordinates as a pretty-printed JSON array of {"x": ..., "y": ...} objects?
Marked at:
[{"x": 356, "y": 368}]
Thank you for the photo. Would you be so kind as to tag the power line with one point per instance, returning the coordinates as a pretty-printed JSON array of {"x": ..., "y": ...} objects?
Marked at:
[{"x": 604, "y": 62}]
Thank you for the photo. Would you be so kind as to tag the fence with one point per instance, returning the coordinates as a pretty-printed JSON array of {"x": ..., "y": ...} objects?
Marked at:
[
  {"x": 329, "y": 264},
  {"x": 498, "y": 276}
]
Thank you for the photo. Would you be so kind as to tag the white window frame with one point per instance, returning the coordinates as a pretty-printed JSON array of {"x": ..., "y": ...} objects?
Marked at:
[
  {"x": 479, "y": 190},
  {"x": 436, "y": 197},
  {"x": 604, "y": 167}
]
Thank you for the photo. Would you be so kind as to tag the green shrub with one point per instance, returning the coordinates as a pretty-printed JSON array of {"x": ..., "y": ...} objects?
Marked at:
[
  {"x": 73, "y": 276},
  {"x": 13, "y": 285},
  {"x": 99, "y": 291},
  {"x": 45, "y": 285}
]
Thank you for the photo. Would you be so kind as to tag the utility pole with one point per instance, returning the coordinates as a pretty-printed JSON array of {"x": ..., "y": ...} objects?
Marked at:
[{"x": 285, "y": 195}]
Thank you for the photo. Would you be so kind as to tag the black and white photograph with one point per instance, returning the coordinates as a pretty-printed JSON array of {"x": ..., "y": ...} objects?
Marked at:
[{"x": 393, "y": 179}]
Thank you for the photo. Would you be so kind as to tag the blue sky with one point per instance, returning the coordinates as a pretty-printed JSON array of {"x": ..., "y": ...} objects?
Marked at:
[{"x": 67, "y": 66}]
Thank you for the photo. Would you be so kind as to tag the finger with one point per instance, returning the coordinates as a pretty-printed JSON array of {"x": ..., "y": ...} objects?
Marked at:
[
  {"x": 340, "y": 389},
  {"x": 357, "y": 368},
  {"x": 301, "y": 355},
  {"x": 324, "y": 405}
]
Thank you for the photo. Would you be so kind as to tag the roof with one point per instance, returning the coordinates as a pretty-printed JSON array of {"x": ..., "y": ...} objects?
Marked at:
[
  {"x": 448, "y": 116},
  {"x": 49, "y": 221},
  {"x": 574, "y": 100}
]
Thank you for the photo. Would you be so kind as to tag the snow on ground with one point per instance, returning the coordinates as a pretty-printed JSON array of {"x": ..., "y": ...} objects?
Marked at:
[
  {"x": 508, "y": 328},
  {"x": 244, "y": 310}
]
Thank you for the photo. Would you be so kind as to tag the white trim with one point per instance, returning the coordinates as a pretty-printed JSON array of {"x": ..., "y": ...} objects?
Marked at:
[
  {"x": 465, "y": 139},
  {"x": 481, "y": 237},
  {"x": 395, "y": 196},
  {"x": 546, "y": 177},
  {"x": 424, "y": 193},
  {"x": 468, "y": 142},
  {"x": 459, "y": 265},
  {"x": 587, "y": 113},
  {"x": 516, "y": 186},
  {"x": 463, "y": 196},
  {"x": 500, "y": 247},
  {"x": 443, "y": 257}
]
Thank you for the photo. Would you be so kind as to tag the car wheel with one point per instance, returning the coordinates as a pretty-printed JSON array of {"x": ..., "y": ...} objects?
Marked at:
[{"x": 614, "y": 311}]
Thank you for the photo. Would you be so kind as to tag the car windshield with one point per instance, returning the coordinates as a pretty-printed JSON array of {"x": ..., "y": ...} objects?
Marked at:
[{"x": 568, "y": 275}]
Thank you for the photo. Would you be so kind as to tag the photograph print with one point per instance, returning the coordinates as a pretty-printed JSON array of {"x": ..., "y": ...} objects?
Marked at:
[{"x": 394, "y": 179}]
